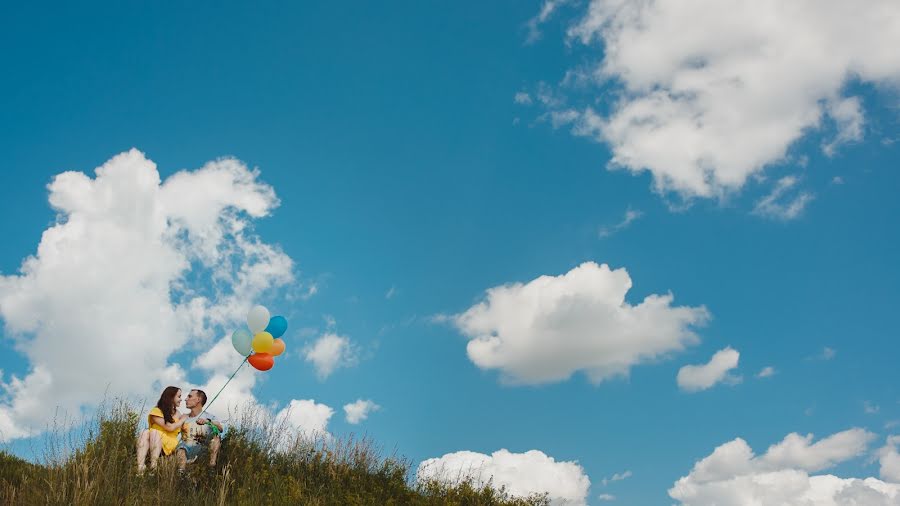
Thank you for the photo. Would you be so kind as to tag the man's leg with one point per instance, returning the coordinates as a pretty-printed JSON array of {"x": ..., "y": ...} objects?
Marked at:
[
  {"x": 143, "y": 444},
  {"x": 214, "y": 444},
  {"x": 155, "y": 447}
]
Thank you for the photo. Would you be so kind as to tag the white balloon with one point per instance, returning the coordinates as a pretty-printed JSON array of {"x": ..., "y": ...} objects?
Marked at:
[{"x": 258, "y": 319}]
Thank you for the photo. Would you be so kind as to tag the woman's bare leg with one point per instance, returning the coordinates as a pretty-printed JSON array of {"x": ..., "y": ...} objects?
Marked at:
[
  {"x": 143, "y": 444},
  {"x": 181, "y": 456},
  {"x": 155, "y": 447}
]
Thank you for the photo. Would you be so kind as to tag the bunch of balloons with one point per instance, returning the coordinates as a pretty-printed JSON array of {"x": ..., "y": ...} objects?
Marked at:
[{"x": 262, "y": 343}]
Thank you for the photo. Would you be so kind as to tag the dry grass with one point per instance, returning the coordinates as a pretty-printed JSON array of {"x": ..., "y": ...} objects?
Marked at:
[{"x": 259, "y": 463}]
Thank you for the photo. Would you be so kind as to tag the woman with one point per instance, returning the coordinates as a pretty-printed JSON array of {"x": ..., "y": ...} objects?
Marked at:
[{"x": 165, "y": 423}]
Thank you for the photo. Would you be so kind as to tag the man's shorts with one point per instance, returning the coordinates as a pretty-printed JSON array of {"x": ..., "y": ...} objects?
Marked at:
[{"x": 193, "y": 451}]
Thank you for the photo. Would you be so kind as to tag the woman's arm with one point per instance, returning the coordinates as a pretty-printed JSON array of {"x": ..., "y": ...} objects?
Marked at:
[{"x": 175, "y": 425}]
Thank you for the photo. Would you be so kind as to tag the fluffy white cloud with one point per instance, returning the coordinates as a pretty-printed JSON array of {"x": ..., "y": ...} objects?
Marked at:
[
  {"x": 523, "y": 474},
  {"x": 799, "y": 451},
  {"x": 889, "y": 459},
  {"x": 219, "y": 362},
  {"x": 106, "y": 299},
  {"x": 733, "y": 475},
  {"x": 306, "y": 416},
  {"x": 700, "y": 377},
  {"x": 712, "y": 91},
  {"x": 358, "y": 411},
  {"x": 330, "y": 352},
  {"x": 551, "y": 327}
]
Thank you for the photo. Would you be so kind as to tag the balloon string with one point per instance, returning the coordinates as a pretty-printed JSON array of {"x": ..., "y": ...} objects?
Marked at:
[{"x": 225, "y": 385}]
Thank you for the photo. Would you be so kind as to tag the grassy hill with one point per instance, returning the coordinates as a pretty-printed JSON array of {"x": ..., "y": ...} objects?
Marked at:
[{"x": 258, "y": 464}]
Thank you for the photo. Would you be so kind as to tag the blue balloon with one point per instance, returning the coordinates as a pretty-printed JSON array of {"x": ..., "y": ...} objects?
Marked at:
[
  {"x": 242, "y": 340},
  {"x": 277, "y": 326}
]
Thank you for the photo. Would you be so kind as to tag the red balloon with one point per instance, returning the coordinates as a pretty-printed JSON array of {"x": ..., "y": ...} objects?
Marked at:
[{"x": 261, "y": 361}]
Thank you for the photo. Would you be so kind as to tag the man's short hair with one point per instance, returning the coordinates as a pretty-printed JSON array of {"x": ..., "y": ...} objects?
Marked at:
[{"x": 202, "y": 395}]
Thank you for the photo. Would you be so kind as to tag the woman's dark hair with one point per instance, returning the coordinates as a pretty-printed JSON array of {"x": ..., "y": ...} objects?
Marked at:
[{"x": 166, "y": 403}]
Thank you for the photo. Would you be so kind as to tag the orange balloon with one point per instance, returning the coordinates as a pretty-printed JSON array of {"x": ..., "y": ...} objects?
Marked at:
[
  {"x": 277, "y": 347},
  {"x": 261, "y": 361}
]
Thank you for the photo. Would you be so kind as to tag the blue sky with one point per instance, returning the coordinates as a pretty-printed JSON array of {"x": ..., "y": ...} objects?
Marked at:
[{"x": 403, "y": 163}]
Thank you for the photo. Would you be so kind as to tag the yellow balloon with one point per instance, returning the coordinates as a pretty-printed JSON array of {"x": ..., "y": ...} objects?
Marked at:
[{"x": 262, "y": 342}]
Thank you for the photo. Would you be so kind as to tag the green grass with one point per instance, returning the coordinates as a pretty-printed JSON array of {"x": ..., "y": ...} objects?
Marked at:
[{"x": 259, "y": 463}]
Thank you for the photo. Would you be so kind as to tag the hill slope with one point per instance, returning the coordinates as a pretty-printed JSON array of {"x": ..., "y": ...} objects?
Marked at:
[{"x": 258, "y": 464}]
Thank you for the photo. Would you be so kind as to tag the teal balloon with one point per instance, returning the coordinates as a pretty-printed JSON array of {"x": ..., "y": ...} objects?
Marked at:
[
  {"x": 277, "y": 326},
  {"x": 241, "y": 340}
]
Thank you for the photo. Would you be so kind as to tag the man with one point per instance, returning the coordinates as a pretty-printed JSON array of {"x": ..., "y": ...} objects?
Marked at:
[{"x": 197, "y": 432}]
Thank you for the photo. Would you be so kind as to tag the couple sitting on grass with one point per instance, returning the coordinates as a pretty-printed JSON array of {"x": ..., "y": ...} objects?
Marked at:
[{"x": 186, "y": 435}]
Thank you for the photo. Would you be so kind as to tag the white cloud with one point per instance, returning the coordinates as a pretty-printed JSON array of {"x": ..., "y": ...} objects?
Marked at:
[
  {"x": 799, "y": 451},
  {"x": 306, "y": 416},
  {"x": 523, "y": 98},
  {"x": 871, "y": 408},
  {"x": 713, "y": 91},
  {"x": 329, "y": 353},
  {"x": 693, "y": 378},
  {"x": 358, "y": 411},
  {"x": 392, "y": 291},
  {"x": 108, "y": 289},
  {"x": 534, "y": 24},
  {"x": 553, "y": 326},
  {"x": 606, "y": 497},
  {"x": 523, "y": 474},
  {"x": 630, "y": 216},
  {"x": 766, "y": 372},
  {"x": 733, "y": 475},
  {"x": 616, "y": 477},
  {"x": 889, "y": 459},
  {"x": 848, "y": 116},
  {"x": 220, "y": 361},
  {"x": 778, "y": 205},
  {"x": 826, "y": 354}
]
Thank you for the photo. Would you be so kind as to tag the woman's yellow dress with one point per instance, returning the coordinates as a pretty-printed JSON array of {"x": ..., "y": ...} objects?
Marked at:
[{"x": 169, "y": 438}]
